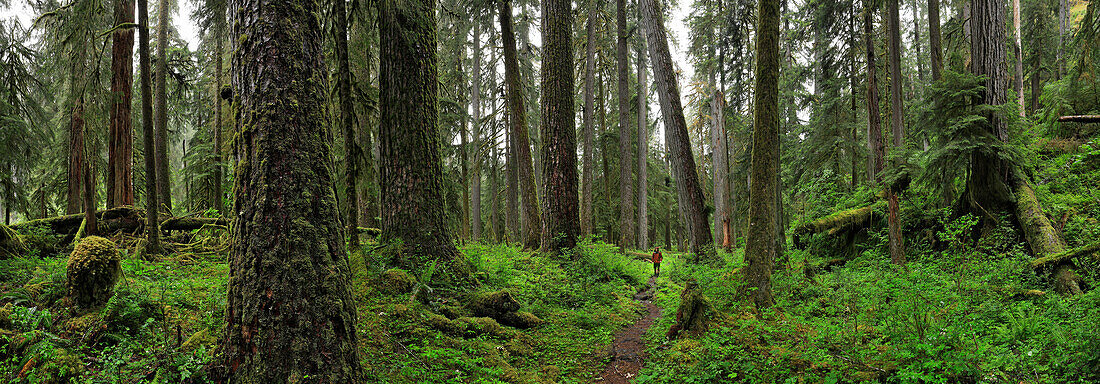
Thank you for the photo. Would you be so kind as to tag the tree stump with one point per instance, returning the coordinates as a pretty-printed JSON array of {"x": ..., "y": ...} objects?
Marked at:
[{"x": 92, "y": 270}]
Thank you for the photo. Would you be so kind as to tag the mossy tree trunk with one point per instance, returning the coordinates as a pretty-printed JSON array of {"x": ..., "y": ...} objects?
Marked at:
[
  {"x": 587, "y": 115},
  {"x": 689, "y": 191},
  {"x": 934, "y": 44},
  {"x": 517, "y": 119},
  {"x": 411, "y": 165},
  {"x": 164, "y": 182},
  {"x": 219, "y": 51},
  {"x": 152, "y": 235},
  {"x": 290, "y": 316},
  {"x": 987, "y": 186},
  {"x": 897, "y": 127},
  {"x": 120, "y": 144},
  {"x": 643, "y": 153},
  {"x": 560, "y": 223},
  {"x": 626, "y": 150},
  {"x": 761, "y": 247}
]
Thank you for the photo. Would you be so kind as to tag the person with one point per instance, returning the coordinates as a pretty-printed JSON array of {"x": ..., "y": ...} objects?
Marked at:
[{"x": 657, "y": 261}]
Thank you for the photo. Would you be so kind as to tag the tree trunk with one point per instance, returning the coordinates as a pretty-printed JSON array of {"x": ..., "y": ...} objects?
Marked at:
[
  {"x": 511, "y": 207},
  {"x": 760, "y": 249},
  {"x": 934, "y": 44},
  {"x": 518, "y": 121},
  {"x": 219, "y": 52},
  {"x": 347, "y": 122},
  {"x": 605, "y": 160},
  {"x": 690, "y": 193},
  {"x": 897, "y": 125},
  {"x": 1044, "y": 240},
  {"x": 643, "y": 153},
  {"x": 76, "y": 154},
  {"x": 475, "y": 160},
  {"x": 1063, "y": 25},
  {"x": 120, "y": 145},
  {"x": 721, "y": 169},
  {"x": 853, "y": 83},
  {"x": 411, "y": 165},
  {"x": 987, "y": 187},
  {"x": 559, "y": 142},
  {"x": 874, "y": 120},
  {"x": 290, "y": 316},
  {"x": 916, "y": 41},
  {"x": 152, "y": 235},
  {"x": 586, "y": 146},
  {"x": 164, "y": 179},
  {"x": 626, "y": 161},
  {"x": 1018, "y": 46},
  {"x": 90, "y": 224}
]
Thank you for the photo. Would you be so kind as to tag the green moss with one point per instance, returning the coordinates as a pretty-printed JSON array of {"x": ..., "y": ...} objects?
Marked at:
[
  {"x": 521, "y": 320},
  {"x": 202, "y": 338},
  {"x": 92, "y": 270},
  {"x": 395, "y": 281},
  {"x": 5, "y": 316}
]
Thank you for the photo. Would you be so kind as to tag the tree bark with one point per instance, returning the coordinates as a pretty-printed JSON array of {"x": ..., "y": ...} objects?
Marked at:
[
  {"x": 475, "y": 160},
  {"x": 760, "y": 249},
  {"x": 721, "y": 169},
  {"x": 626, "y": 160},
  {"x": 586, "y": 146},
  {"x": 690, "y": 194},
  {"x": 987, "y": 186},
  {"x": 90, "y": 224},
  {"x": 874, "y": 120},
  {"x": 643, "y": 153},
  {"x": 347, "y": 122},
  {"x": 76, "y": 154},
  {"x": 518, "y": 121},
  {"x": 164, "y": 182},
  {"x": 219, "y": 52},
  {"x": 934, "y": 44},
  {"x": 560, "y": 224},
  {"x": 290, "y": 316},
  {"x": 152, "y": 235},
  {"x": 897, "y": 125},
  {"x": 1019, "y": 50},
  {"x": 120, "y": 145}
]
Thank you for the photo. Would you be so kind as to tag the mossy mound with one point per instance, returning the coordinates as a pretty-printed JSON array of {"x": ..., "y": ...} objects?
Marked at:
[
  {"x": 200, "y": 339},
  {"x": 93, "y": 269},
  {"x": 520, "y": 319},
  {"x": 5, "y": 316},
  {"x": 395, "y": 281},
  {"x": 695, "y": 313},
  {"x": 493, "y": 304},
  {"x": 468, "y": 326}
]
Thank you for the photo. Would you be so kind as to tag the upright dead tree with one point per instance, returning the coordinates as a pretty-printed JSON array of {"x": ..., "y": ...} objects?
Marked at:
[
  {"x": 517, "y": 119},
  {"x": 152, "y": 222},
  {"x": 120, "y": 143},
  {"x": 290, "y": 316}
]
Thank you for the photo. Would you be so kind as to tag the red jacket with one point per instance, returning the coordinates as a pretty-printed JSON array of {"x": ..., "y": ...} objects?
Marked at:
[{"x": 657, "y": 257}]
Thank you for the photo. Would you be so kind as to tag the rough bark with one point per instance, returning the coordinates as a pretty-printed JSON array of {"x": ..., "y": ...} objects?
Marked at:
[
  {"x": 586, "y": 146},
  {"x": 560, "y": 224},
  {"x": 290, "y": 316},
  {"x": 934, "y": 42},
  {"x": 518, "y": 121},
  {"x": 152, "y": 236},
  {"x": 475, "y": 155},
  {"x": 347, "y": 123},
  {"x": 987, "y": 189},
  {"x": 690, "y": 194},
  {"x": 511, "y": 204},
  {"x": 874, "y": 120},
  {"x": 76, "y": 155},
  {"x": 760, "y": 249},
  {"x": 605, "y": 160},
  {"x": 626, "y": 160},
  {"x": 89, "y": 200},
  {"x": 1019, "y": 52},
  {"x": 643, "y": 153},
  {"x": 120, "y": 144},
  {"x": 164, "y": 179},
  {"x": 219, "y": 52},
  {"x": 897, "y": 125},
  {"x": 721, "y": 168}
]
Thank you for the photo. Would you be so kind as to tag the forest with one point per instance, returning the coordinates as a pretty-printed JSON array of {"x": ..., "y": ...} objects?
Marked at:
[{"x": 551, "y": 191}]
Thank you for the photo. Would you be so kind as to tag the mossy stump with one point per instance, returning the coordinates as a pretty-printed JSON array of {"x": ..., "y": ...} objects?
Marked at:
[
  {"x": 92, "y": 270},
  {"x": 396, "y": 281},
  {"x": 694, "y": 313}
]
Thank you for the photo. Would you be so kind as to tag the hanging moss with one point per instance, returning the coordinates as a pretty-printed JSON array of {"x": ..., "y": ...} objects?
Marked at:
[{"x": 93, "y": 269}]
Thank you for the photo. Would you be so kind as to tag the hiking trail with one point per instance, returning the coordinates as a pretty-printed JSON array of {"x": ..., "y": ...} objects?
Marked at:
[{"x": 628, "y": 348}]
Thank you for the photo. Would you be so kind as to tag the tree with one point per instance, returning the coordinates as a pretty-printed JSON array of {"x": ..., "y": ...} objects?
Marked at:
[
  {"x": 643, "y": 153},
  {"x": 120, "y": 146},
  {"x": 987, "y": 185},
  {"x": 559, "y": 143},
  {"x": 897, "y": 125},
  {"x": 76, "y": 133},
  {"x": 1019, "y": 53},
  {"x": 760, "y": 247},
  {"x": 934, "y": 39},
  {"x": 347, "y": 123},
  {"x": 875, "y": 144},
  {"x": 152, "y": 217},
  {"x": 517, "y": 119},
  {"x": 164, "y": 182},
  {"x": 689, "y": 193},
  {"x": 587, "y": 166},
  {"x": 626, "y": 163},
  {"x": 411, "y": 164},
  {"x": 290, "y": 316},
  {"x": 475, "y": 155}
]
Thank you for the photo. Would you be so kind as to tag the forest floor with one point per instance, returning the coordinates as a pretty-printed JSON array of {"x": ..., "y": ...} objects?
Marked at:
[{"x": 628, "y": 351}]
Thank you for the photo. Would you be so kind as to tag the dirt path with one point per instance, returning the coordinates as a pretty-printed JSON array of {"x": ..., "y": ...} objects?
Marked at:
[{"x": 628, "y": 349}]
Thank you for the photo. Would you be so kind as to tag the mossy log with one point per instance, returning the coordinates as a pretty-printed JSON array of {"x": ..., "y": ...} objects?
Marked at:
[
  {"x": 695, "y": 312},
  {"x": 10, "y": 243},
  {"x": 372, "y": 232},
  {"x": 493, "y": 304},
  {"x": 839, "y": 222},
  {"x": 1066, "y": 256},
  {"x": 117, "y": 219},
  {"x": 1045, "y": 242}
]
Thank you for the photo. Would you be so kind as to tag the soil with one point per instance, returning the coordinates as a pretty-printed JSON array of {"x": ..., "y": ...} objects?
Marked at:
[{"x": 628, "y": 349}]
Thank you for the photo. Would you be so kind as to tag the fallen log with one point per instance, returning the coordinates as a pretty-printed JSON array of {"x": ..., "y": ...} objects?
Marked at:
[
  {"x": 190, "y": 223},
  {"x": 839, "y": 222},
  {"x": 68, "y": 224},
  {"x": 1045, "y": 242},
  {"x": 1066, "y": 256},
  {"x": 1079, "y": 119},
  {"x": 117, "y": 219},
  {"x": 372, "y": 232}
]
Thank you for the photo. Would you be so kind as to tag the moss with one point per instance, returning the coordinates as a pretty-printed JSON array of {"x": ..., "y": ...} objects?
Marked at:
[
  {"x": 443, "y": 324},
  {"x": 81, "y": 325},
  {"x": 5, "y": 316},
  {"x": 454, "y": 311},
  {"x": 92, "y": 270},
  {"x": 395, "y": 281},
  {"x": 477, "y": 326},
  {"x": 200, "y": 339},
  {"x": 493, "y": 304},
  {"x": 10, "y": 243},
  {"x": 520, "y": 319},
  {"x": 519, "y": 346}
]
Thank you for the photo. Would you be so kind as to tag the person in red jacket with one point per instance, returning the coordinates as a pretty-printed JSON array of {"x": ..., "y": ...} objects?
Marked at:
[{"x": 657, "y": 261}]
